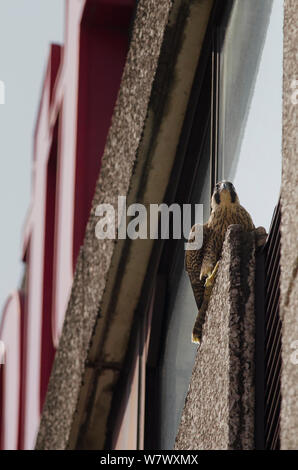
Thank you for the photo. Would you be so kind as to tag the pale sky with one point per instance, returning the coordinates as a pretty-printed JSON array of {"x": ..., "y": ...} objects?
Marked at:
[{"x": 27, "y": 27}]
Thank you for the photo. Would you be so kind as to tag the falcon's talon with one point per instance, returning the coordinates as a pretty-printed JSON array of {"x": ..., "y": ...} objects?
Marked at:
[
  {"x": 211, "y": 278},
  {"x": 209, "y": 281},
  {"x": 195, "y": 338}
]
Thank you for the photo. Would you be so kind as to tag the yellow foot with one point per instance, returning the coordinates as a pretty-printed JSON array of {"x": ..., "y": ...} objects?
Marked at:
[
  {"x": 195, "y": 338},
  {"x": 211, "y": 278}
]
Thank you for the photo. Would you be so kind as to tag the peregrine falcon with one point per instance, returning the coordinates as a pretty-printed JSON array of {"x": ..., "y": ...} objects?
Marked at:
[{"x": 202, "y": 264}]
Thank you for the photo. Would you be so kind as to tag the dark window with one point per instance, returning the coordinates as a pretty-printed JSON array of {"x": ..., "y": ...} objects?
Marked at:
[
  {"x": 272, "y": 334},
  {"x": 170, "y": 364}
]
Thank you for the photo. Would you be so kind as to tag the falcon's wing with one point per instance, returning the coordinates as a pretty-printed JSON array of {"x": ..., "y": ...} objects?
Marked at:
[{"x": 193, "y": 262}]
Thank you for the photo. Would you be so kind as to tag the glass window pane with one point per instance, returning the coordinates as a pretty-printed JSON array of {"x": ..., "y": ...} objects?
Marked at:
[
  {"x": 251, "y": 105},
  {"x": 178, "y": 362},
  {"x": 179, "y": 352}
]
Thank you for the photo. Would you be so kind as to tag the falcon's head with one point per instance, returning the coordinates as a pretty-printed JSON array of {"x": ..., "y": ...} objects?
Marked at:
[{"x": 224, "y": 194}]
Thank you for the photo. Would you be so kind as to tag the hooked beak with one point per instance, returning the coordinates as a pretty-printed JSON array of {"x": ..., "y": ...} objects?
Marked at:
[{"x": 224, "y": 186}]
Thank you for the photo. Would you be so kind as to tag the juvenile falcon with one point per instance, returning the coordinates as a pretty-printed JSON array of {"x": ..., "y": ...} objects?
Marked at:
[{"x": 202, "y": 264}]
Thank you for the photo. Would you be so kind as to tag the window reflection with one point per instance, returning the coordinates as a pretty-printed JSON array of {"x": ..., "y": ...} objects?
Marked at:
[{"x": 251, "y": 105}]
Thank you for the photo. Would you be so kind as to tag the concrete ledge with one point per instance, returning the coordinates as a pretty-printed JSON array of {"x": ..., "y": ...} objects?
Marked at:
[
  {"x": 289, "y": 231},
  {"x": 70, "y": 372},
  {"x": 219, "y": 408},
  {"x": 138, "y": 160}
]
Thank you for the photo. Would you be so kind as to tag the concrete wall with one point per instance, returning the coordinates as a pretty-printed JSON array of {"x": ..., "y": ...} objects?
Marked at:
[
  {"x": 205, "y": 420},
  {"x": 94, "y": 260},
  {"x": 219, "y": 408},
  {"x": 138, "y": 159},
  {"x": 289, "y": 228}
]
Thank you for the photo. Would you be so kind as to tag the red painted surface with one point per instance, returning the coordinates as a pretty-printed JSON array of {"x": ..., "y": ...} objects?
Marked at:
[
  {"x": 23, "y": 370},
  {"x": 47, "y": 346},
  {"x": 54, "y": 64},
  {"x": 80, "y": 89},
  {"x": 103, "y": 49},
  {"x": 10, "y": 334}
]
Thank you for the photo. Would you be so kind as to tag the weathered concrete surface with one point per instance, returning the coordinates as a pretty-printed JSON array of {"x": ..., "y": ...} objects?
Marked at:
[
  {"x": 95, "y": 257},
  {"x": 219, "y": 408},
  {"x": 137, "y": 162},
  {"x": 289, "y": 232}
]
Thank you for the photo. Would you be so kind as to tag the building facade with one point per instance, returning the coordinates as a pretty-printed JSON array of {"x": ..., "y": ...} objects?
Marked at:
[
  {"x": 64, "y": 178},
  {"x": 156, "y": 101}
]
